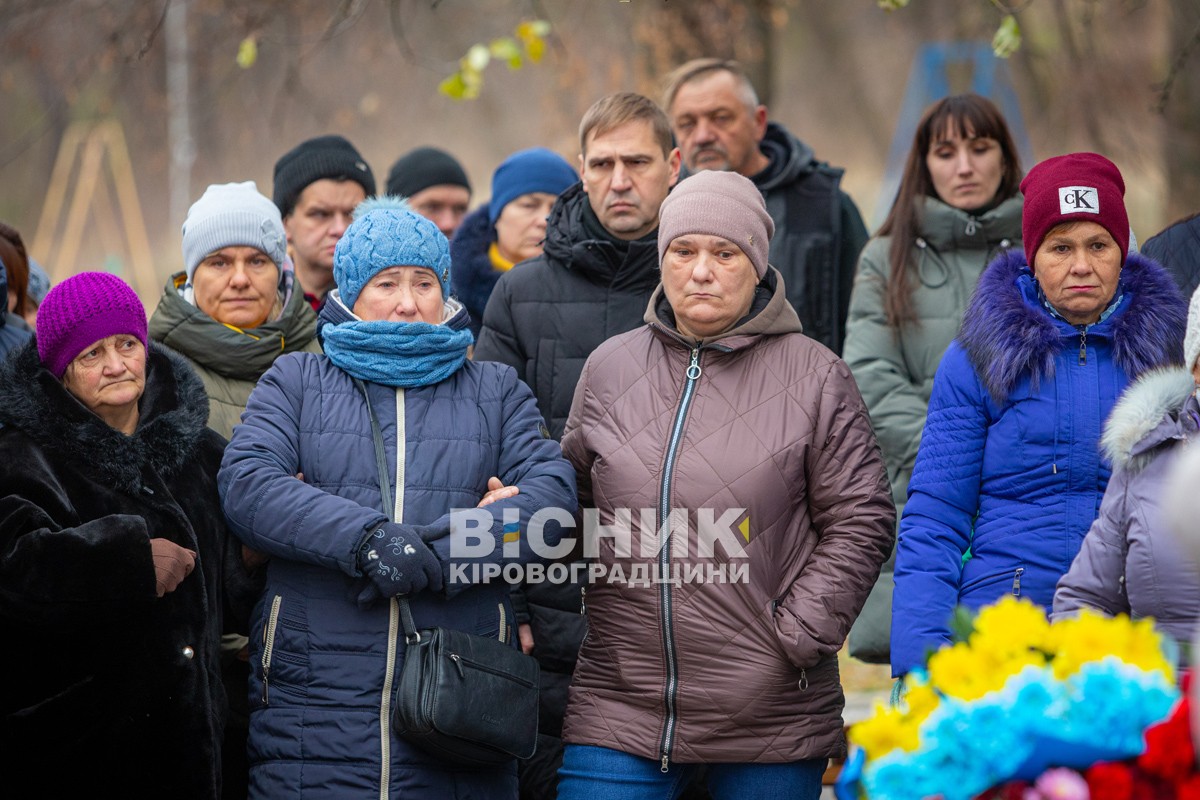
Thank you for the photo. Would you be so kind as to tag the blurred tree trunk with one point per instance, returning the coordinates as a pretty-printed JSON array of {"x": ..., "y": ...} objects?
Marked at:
[
  {"x": 1182, "y": 113},
  {"x": 672, "y": 33}
]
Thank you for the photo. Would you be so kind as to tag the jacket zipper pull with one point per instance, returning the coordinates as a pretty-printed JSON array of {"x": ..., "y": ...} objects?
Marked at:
[
  {"x": 583, "y": 600},
  {"x": 457, "y": 659},
  {"x": 666, "y": 764},
  {"x": 1082, "y": 346},
  {"x": 266, "y": 671},
  {"x": 803, "y": 684},
  {"x": 1016, "y": 590},
  {"x": 971, "y": 227},
  {"x": 693, "y": 370}
]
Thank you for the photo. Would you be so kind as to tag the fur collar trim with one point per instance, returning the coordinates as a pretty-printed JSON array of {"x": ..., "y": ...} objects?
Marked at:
[
  {"x": 173, "y": 413},
  {"x": 1148, "y": 413},
  {"x": 1007, "y": 333}
]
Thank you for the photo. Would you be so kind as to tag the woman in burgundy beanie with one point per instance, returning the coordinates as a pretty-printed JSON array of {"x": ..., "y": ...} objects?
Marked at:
[
  {"x": 113, "y": 556},
  {"x": 1009, "y": 472}
]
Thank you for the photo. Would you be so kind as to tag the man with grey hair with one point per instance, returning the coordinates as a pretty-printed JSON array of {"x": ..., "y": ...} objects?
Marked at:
[{"x": 719, "y": 124}]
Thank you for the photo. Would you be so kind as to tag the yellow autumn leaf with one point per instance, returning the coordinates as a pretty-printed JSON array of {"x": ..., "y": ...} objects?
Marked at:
[
  {"x": 1008, "y": 37},
  {"x": 453, "y": 87},
  {"x": 507, "y": 50},
  {"x": 247, "y": 52}
]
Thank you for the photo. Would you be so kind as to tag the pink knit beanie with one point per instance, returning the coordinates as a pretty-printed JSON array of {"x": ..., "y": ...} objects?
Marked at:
[
  {"x": 81, "y": 311},
  {"x": 716, "y": 203},
  {"x": 1078, "y": 187}
]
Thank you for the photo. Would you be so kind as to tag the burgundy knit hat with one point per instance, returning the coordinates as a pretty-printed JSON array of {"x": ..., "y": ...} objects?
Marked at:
[
  {"x": 81, "y": 311},
  {"x": 1075, "y": 187},
  {"x": 717, "y": 203}
]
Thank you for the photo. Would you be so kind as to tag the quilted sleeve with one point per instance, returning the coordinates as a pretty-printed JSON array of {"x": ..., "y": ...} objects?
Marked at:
[
  {"x": 854, "y": 519},
  {"x": 943, "y": 499},
  {"x": 873, "y": 353},
  {"x": 265, "y": 505}
]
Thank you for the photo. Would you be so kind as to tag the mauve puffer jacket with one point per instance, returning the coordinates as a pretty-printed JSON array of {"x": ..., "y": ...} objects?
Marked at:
[{"x": 769, "y": 421}]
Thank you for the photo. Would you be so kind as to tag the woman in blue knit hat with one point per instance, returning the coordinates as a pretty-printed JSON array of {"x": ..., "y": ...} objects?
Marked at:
[
  {"x": 300, "y": 483},
  {"x": 509, "y": 228}
]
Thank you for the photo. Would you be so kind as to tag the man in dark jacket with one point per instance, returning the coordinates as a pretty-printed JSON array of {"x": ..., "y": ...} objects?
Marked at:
[
  {"x": 1177, "y": 248},
  {"x": 719, "y": 124},
  {"x": 544, "y": 318}
]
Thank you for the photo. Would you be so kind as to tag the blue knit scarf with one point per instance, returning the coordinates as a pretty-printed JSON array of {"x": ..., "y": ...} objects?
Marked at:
[{"x": 403, "y": 354}]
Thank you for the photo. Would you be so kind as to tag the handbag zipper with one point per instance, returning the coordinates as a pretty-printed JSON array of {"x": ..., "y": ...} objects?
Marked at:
[
  {"x": 460, "y": 660},
  {"x": 269, "y": 643},
  {"x": 666, "y": 741}
]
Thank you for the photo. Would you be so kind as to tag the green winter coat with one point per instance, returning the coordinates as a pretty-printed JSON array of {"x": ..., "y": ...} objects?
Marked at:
[
  {"x": 895, "y": 369},
  {"x": 230, "y": 361}
]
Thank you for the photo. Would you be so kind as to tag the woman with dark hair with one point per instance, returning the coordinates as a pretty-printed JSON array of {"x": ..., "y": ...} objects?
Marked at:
[
  {"x": 957, "y": 207},
  {"x": 14, "y": 280}
]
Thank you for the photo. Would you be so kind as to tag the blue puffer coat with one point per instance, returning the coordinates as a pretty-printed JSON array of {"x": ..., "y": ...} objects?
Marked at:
[
  {"x": 322, "y": 666},
  {"x": 1009, "y": 464}
]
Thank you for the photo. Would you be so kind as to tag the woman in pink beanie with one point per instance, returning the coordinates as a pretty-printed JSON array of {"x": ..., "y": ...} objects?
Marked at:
[
  {"x": 112, "y": 557},
  {"x": 1009, "y": 473},
  {"x": 746, "y": 446}
]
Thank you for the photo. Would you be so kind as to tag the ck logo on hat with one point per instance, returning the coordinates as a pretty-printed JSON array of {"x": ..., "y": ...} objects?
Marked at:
[{"x": 1078, "y": 199}]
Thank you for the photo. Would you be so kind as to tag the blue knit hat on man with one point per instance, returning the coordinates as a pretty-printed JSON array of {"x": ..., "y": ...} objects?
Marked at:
[
  {"x": 534, "y": 170},
  {"x": 387, "y": 233}
]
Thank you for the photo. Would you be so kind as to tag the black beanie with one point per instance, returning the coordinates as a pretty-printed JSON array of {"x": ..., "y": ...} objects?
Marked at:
[
  {"x": 314, "y": 159},
  {"x": 422, "y": 168}
]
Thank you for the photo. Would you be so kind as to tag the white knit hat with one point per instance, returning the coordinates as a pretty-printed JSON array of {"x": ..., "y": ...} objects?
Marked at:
[
  {"x": 1191, "y": 340},
  {"x": 230, "y": 214}
]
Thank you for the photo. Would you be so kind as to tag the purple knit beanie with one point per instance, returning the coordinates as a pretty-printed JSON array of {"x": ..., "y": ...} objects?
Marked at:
[
  {"x": 717, "y": 203},
  {"x": 81, "y": 311}
]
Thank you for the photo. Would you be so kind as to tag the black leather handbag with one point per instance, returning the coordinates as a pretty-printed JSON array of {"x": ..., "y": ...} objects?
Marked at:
[
  {"x": 470, "y": 700},
  {"x": 465, "y": 698}
]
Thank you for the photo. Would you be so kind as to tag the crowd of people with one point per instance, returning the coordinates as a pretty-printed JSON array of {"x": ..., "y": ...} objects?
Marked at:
[{"x": 760, "y": 435}]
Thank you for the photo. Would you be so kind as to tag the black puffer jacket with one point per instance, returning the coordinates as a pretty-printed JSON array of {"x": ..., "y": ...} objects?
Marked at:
[
  {"x": 1177, "y": 248},
  {"x": 545, "y": 318},
  {"x": 818, "y": 234}
]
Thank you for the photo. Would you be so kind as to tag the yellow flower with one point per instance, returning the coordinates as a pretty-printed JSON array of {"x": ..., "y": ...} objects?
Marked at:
[
  {"x": 884, "y": 731},
  {"x": 1090, "y": 636},
  {"x": 1011, "y": 625}
]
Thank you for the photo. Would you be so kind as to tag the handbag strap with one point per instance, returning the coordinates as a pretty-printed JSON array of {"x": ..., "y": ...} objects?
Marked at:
[{"x": 411, "y": 634}]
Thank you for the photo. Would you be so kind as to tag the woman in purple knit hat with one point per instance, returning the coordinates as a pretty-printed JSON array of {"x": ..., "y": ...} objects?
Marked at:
[{"x": 112, "y": 554}]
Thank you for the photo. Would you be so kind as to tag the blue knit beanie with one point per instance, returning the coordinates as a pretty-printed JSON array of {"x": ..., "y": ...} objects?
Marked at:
[
  {"x": 534, "y": 170},
  {"x": 387, "y": 233}
]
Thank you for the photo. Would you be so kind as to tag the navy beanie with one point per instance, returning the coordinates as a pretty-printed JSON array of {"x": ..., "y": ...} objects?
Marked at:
[
  {"x": 331, "y": 157},
  {"x": 535, "y": 170},
  {"x": 419, "y": 169}
]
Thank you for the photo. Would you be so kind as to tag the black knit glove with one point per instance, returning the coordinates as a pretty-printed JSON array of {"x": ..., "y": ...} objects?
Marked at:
[{"x": 398, "y": 562}]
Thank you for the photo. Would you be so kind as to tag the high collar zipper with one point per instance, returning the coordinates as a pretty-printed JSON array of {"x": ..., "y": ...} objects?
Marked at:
[{"x": 692, "y": 377}]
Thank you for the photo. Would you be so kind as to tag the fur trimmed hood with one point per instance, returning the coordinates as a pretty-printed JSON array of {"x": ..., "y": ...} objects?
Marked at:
[
  {"x": 1007, "y": 332},
  {"x": 1150, "y": 412},
  {"x": 173, "y": 414}
]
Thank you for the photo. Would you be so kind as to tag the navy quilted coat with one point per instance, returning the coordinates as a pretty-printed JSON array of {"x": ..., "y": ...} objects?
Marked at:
[
  {"x": 322, "y": 667},
  {"x": 1009, "y": 463}
]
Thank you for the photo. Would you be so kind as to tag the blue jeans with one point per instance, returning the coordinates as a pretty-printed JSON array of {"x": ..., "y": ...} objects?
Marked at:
[{"x": 598, "y": 773}]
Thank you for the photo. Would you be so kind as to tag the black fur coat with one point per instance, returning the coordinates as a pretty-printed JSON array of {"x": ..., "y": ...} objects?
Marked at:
[{"x": 107, "y": 688}]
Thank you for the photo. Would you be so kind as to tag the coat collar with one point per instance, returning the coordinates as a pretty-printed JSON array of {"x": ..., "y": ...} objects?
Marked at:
[
  {"x": 1159, "y": 407},
  {"x": 1007, "y": 332},
  {"x": 770, "y": 314},
  {"x": 173, "y": 413},
  {"x": 238, "y": 355}
]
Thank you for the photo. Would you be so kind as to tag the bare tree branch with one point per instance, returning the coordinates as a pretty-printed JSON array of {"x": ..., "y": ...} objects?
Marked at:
[{"x": 1164, "y": 94}]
